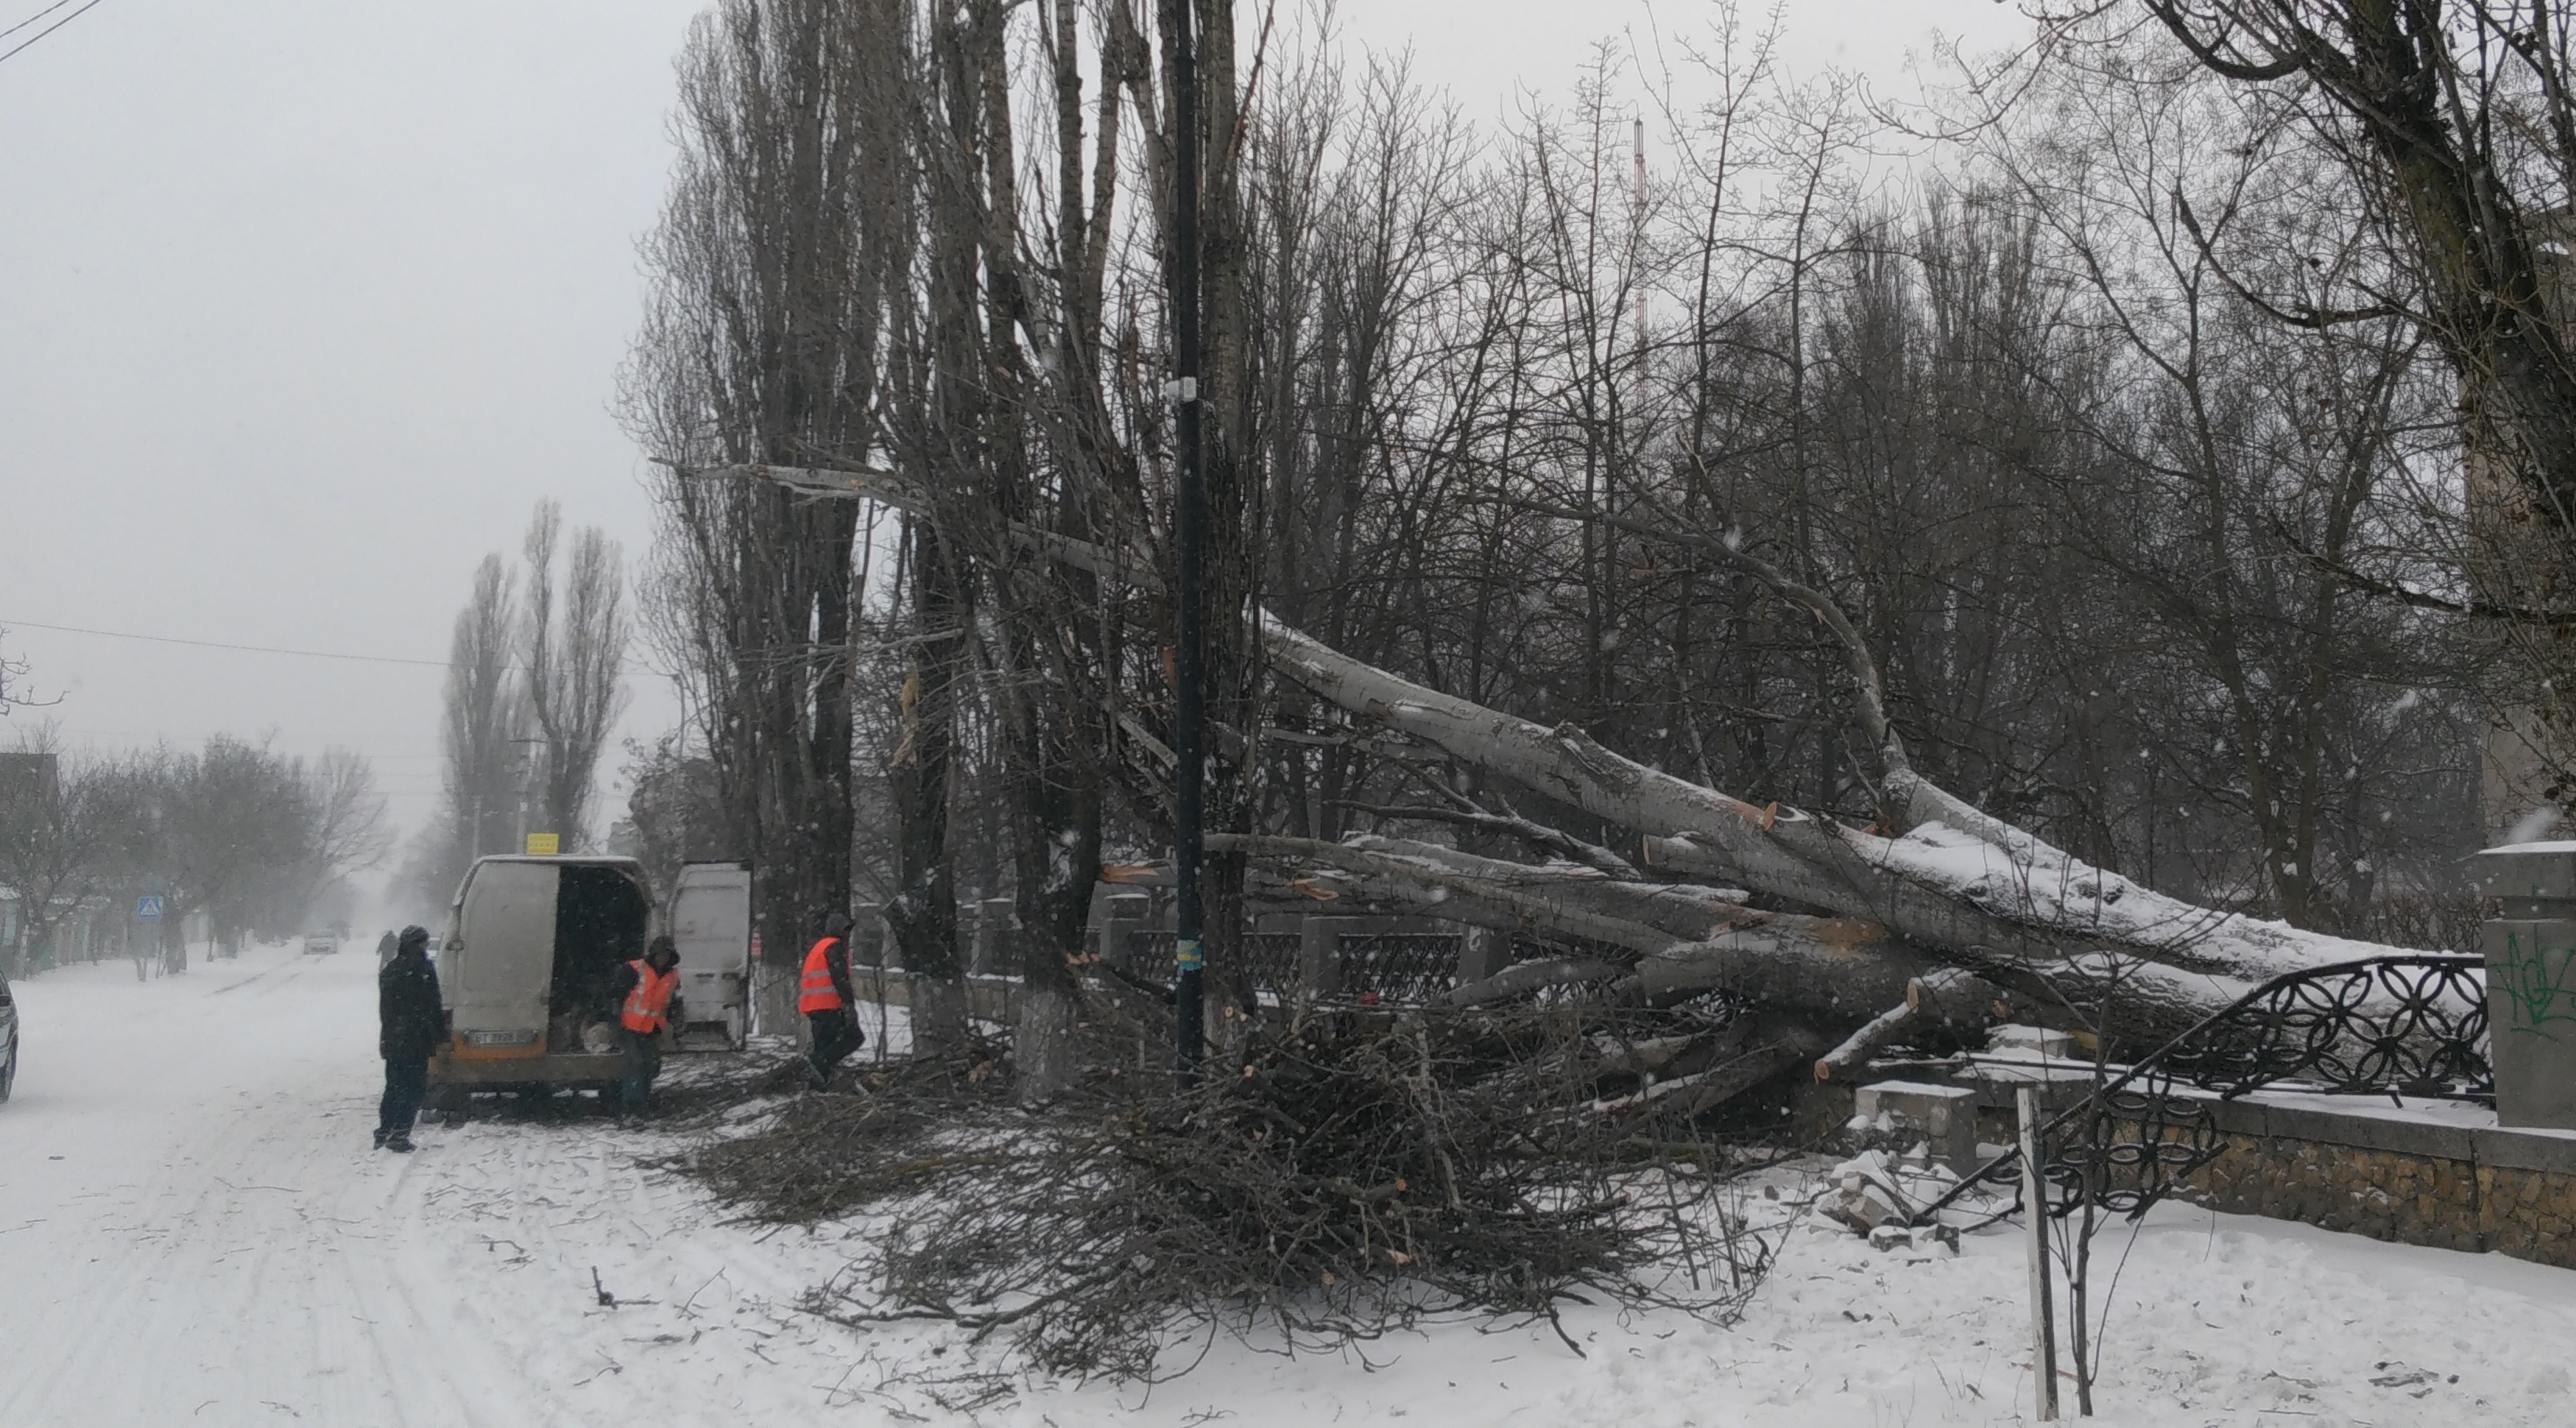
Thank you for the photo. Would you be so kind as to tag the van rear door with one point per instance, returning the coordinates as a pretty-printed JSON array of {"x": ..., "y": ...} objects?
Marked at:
[
  {"x": 498, "y": 979},
  {"x": 711, "y": 925}
]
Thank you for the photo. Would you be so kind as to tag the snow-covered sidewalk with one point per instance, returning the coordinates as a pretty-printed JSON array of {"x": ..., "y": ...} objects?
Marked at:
[{"x": 192, "y": 1230}]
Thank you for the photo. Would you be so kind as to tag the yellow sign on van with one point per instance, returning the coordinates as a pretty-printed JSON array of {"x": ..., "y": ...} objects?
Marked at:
[{"x": 544, "y": 845}]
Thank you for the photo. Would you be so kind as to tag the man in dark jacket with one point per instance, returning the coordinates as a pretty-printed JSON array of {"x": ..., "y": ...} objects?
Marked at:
[
  {"x": 823, "y": 994},
  {"x": 409, "y": 1027}
]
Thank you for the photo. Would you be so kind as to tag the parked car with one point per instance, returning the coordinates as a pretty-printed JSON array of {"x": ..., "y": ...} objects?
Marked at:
[
  {"x": 8, "y": 1038},
  {"x": 320, "y": 944}
]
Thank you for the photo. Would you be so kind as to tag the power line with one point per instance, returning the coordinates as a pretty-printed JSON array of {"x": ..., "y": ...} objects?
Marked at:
[
  {"x": 6, "y": 623},
  {"x": 218, "y": 645},
  {"x": 49, "y": 29},
  {"x": 22, "y": 24}
]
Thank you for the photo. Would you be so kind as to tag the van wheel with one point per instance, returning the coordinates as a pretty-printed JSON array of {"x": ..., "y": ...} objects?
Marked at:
[{"x": 9, "y": 1072}]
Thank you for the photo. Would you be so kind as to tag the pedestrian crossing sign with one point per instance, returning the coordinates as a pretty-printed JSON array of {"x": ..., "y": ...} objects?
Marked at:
[{"x": 147, "y": 908}]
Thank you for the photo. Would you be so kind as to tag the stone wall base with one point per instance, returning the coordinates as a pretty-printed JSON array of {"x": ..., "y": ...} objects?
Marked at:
[{"x": 2464, "y": 1184}]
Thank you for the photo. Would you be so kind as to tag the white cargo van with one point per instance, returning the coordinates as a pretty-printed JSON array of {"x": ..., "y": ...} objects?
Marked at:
[
  {"x": 532, "y": 949},
  {"x": 710, "y": 922}
]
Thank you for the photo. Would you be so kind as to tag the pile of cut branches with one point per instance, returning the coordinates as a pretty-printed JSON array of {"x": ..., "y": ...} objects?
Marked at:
[
  {"x": 818, "y": 1156},
  {"x": 1341, "y": 1175}
]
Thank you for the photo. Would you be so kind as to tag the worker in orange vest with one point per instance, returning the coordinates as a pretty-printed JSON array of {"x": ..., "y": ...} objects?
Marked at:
[
  {"x": 647, "y": 996},
  {"x": 823, "y": 994}
]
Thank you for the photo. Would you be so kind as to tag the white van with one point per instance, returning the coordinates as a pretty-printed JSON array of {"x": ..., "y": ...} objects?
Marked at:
[
  {"x": 709, "y": 920},
  {"x": 533, "y": 946}
]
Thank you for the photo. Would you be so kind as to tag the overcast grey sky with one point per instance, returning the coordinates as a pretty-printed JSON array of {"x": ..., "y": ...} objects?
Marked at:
[{"x": 304, "y": 303}]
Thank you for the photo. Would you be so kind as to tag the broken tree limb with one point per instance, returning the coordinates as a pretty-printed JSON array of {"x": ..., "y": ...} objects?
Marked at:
[
  {"x": 1857, "y": 1048},
  {"x": 1958, "y": 999},
  {"x": 1951, "y": 998},
  {"x": 1850, "y": 885},
  {"x": 1781, "y": 1051},
  {"x": 1773, "y": 1047}
]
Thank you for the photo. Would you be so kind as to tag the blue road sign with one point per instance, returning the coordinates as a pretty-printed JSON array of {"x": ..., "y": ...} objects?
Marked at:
[{"x": 147, "y": 908}]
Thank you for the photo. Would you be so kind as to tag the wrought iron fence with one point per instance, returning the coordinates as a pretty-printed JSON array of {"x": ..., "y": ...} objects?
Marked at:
[
  {"x": 1404, "y": 967},
  {"x": 1268, "y": 962},
  {"x": 2413, "y": 1025},
  {"x": 2407, "y": 1025}
]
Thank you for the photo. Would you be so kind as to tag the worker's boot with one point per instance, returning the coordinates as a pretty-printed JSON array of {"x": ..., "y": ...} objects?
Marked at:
[
  {"x": 381, "y": 1133},
  {"x": 399, "y": 1140}
]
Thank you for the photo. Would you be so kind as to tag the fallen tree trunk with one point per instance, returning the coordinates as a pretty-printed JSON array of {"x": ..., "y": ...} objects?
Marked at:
[
  {"x": 1841, "y": 970},
  {"x": 2001, "y": 904},
  {"x": 1829, "y": 965}
]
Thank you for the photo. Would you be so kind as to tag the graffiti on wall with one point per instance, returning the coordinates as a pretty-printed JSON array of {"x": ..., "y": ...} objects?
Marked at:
[{"x": 2537, "y": 982}]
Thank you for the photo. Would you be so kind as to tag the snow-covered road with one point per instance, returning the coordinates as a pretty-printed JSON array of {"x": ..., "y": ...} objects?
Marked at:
[
  {"x": 193, "y": 1228},
  {"x": 193, "y": 1231}
]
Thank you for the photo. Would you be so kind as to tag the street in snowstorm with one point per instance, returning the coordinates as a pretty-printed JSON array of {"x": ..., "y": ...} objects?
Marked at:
[
  {"x": 1033, "y": 715},
  {"x": 194, "y": 1230}
]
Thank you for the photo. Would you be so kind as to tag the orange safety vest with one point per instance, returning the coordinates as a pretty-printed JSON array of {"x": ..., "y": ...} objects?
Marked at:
[
  {"x": 814, "y": 991},
  {"x": 643, "y": 1010}
]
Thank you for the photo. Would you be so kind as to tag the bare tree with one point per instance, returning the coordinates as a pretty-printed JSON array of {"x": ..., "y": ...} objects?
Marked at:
[
  {"x": 574, "y": 658},
  {"x": 345, "y": 831},
  {"x": 2455, "y": 132},
  {"x": 774, "y": 266},
  {"x": 246, "y": 836},
  {"x": 481, "y": 721}
]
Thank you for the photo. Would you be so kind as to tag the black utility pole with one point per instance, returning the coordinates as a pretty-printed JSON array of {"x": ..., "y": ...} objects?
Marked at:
[{"x": 1189, "y": 661}]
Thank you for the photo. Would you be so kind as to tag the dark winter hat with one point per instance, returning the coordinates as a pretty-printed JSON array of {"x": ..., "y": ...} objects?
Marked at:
[
  {"x": 414, "y": 939},
  {"x": 836, "y": 924},
  {"x": 662, "y": 946}
]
